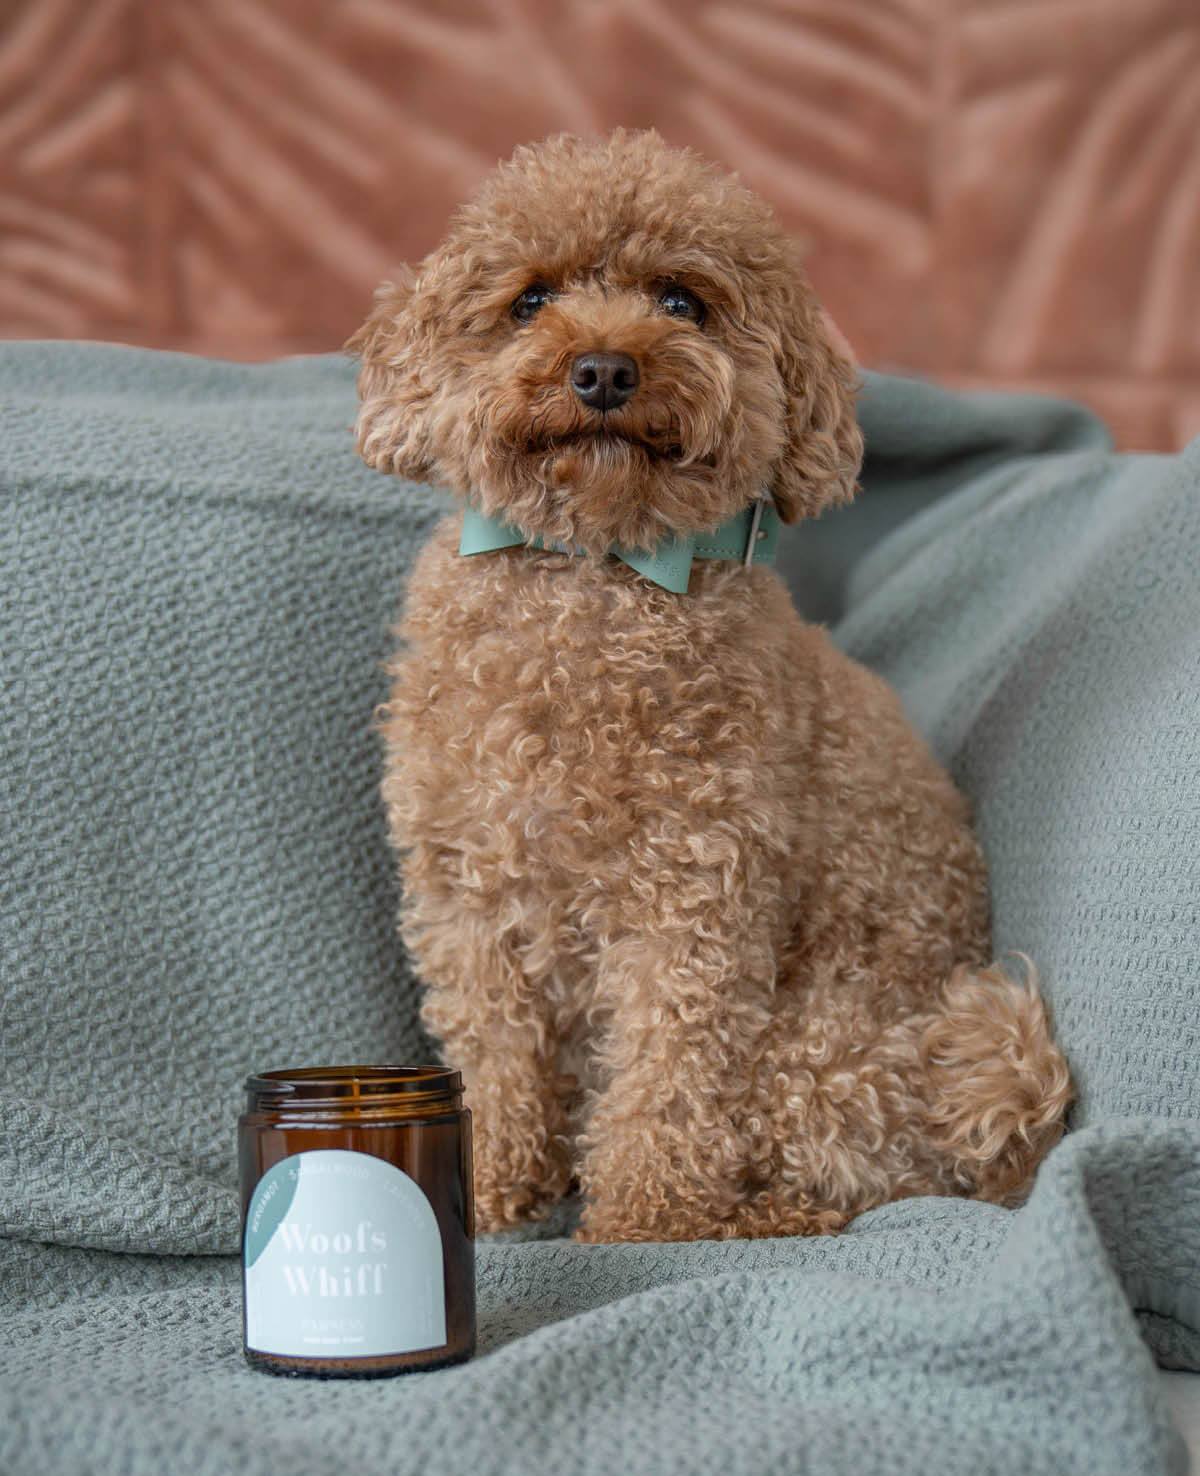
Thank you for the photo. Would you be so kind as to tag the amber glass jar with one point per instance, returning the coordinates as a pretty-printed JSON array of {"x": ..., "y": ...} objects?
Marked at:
[{"x": 358, "y": 1252}]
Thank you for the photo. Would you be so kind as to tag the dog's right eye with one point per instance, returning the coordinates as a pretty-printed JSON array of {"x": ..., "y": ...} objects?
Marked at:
[{"x": 530, "y": 302}]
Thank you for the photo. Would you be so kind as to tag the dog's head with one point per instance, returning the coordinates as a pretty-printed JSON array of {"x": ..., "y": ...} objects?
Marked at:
[{"x": 614, "y": 343}]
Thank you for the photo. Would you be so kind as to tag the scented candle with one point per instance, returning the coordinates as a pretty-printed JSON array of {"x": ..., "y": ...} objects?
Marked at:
[{"x": 358, "y": 1254}]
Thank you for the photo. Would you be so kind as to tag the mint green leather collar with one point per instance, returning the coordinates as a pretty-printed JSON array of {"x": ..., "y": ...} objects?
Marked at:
[{"x": 751, "y": 536}]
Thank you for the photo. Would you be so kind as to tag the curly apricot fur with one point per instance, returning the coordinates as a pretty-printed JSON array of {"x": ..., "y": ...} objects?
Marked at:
[{"x": 698, "y": 915}]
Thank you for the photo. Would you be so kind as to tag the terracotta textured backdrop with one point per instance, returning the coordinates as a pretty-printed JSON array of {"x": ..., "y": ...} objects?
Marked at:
[{"x": 998, "y": 192}]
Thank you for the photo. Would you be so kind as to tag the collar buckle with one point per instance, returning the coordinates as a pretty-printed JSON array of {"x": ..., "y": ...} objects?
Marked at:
[{"x": 754, "y": 534}]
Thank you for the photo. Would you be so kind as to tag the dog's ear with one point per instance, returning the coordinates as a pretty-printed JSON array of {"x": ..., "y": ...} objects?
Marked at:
[
  {"x": 823, "y": 451},
  {"x": 395, "y": 386}
]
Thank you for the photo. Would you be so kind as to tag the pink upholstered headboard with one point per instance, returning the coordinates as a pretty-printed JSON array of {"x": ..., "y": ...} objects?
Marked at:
[{"x": 995, "y": 192}]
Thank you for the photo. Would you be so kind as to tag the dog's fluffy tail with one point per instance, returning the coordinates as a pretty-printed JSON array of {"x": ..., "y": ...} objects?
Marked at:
[{"x": 998, "y": 1086}]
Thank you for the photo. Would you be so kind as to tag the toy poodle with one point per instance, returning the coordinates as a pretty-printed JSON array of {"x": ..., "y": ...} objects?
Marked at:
[{"x": 698, "y": 915}]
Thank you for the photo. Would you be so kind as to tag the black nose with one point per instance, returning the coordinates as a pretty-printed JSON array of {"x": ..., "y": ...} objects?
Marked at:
[{"x": 604, "y": 381}]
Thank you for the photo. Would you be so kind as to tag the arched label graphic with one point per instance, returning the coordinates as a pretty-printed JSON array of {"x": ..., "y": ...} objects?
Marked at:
[{"x": 342, "y": 1258}]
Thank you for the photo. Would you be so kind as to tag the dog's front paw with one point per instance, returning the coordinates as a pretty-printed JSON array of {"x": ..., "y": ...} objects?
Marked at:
[
  {"x": 647, "y": 1180},
  {"x": 607, "y": 1221},
  {"x": 517, "y": 1177},
  {"x": 503, "y": 1210}
]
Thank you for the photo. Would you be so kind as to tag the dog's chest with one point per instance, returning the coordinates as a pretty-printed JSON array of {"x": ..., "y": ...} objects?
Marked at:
[
  {"x": 574, "y": 684},
  {"x": 573, "y": 691}
]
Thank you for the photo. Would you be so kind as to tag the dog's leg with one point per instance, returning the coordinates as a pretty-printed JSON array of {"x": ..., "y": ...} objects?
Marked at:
[
  {"x": 733, "y": 1110},
  {"x": 675, "y": 1132},
  {"x": 845, "y": 1093},
  {"x": 495, "y": 1025},
  {"x": 873, "y": 1100}
]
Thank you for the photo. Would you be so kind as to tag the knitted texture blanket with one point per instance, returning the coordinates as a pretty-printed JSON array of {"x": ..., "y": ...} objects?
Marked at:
[{"x": 197, "y": 581}]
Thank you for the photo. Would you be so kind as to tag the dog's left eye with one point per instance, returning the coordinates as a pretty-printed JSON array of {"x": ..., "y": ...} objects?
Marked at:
[
  {"x": 530, "y": 302},
  {"x": 678, "y": 302}
]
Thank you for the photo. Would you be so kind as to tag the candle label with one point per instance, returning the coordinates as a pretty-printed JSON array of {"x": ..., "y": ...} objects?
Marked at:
[{"x": 342, "y": 1258}]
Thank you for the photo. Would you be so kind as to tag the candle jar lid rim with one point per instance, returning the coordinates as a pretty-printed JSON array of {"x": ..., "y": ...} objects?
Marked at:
[{"x": 305, "y": 1085}]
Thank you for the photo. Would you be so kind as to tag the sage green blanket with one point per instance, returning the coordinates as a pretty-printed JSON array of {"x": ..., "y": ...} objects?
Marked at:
[{"x": 197, "y": 580}]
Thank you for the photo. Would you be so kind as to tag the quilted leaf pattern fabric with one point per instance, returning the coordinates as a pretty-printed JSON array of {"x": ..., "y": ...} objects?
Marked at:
[{"x": 995, "y": 192}]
